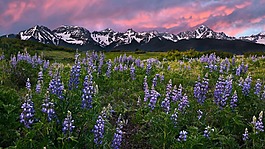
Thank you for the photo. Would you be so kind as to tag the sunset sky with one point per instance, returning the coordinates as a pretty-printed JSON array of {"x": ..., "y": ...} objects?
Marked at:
[{"x": 234, "y": 17}]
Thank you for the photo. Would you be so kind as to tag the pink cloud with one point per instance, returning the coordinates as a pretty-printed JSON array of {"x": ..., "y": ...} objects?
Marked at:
[
  {"x": 174, "y": 17},
  {"x": 243, "y": 5},
  {"x": 14, "y": 12},
  {"x": 139, "y": 19},
  {"x": 255, "y": 20},
  {"x": 225, "y": 16},
  {"x": 75, "y": 7}
]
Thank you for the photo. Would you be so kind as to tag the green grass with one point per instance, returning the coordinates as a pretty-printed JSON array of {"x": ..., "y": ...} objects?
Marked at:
[
  {"x": 142, "y": 126},
  {"x": 68, "y": 57},
  {"x": 59, "y": 56},
  {"x": 112, "y": 55}
]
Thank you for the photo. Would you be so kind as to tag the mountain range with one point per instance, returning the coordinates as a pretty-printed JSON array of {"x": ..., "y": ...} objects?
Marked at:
[{"x": 200, "y": 38}]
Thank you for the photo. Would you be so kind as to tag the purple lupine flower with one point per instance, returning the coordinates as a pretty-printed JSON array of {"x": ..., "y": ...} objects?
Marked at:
[
  {"x": 205, "y": 84},
  {"x": 138, "y": 62},
  {"x": 68, "y": 124},
  {"x": 148, "y": 67},
  {"x": 46, "y": 64},
  {"x": 197, "y": 90},
  {"x": 238, "y": 71},
  {"x": 132, "y": 72},
  {"x": 241, "y": 69},
  {"x": 27, "y": 115},
  {"x": 125, "y": 67},
  {"x": 146, "y": 90},
  {"x": 207, "y": 132},
  {"x": 246, "y": 68},
  {"x": 174, "y": 117},
  {"x": 174, "y": 94},
  {"x": 177, "y": 93},
  {"x": 50, "y": 72},
  {"x": 28, "y": 85},
  {"x": 40, "y": 76},
  {"x": 98, "y": 130},
  {"x": 153, "y": 98},
  {"x": 223, "y": 89},
  {"x": 168, "y": 68},
  {"x": 247, "y": 85},
  {"x": 200, "y": 113},
  {"x": 91, "y": 64},
  {"x": 228, "y": 85},
  {"x": 166, "y": 102},
  {"x": 245, "y": 135},
  {"x": 184, "y": 103},
  {"x": 183, "y": 135},
  {"x": 56, "y": 86},
  {"x": 240, "y": 82},
  {"x": 88, "y": 93},
  {"x": 219, "y": 88},
  {"x": 120, "y": 67},
  {"x": 38, "y": 87},
  {"x": 39, "y": 61},
  {"x": 74, "y": 76},
  {"x": 166, "y": 105},
  {"x": 48, "y": 107},
  {"x": 233, "y": 102},
  {"x": 259, "y": 124},
  {"x": 258, "y": 87},
  {"x": 227, "y": 64},
  {"x": 108, "y": 72},
  {"x": 2, "y": 56},
  {"x": 263, "y": 94},
  {"x": 116, "y": 142},
  {"x": 117, "y": 139},
  {"x": 107, "y": 112},
  {"x": 94, "y": 55},
  {"x": 13, "y": 61},
  {"x": 201, "y": 89},
  {"x": 116, "y": 68},
  {"x": 222, "y": 67},
  {"x": 155, "y": 80},
  {"x": 169, "y": 89}
]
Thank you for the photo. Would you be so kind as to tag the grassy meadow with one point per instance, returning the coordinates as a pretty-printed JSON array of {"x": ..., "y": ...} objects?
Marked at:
[{"x": 67, "y": 99}]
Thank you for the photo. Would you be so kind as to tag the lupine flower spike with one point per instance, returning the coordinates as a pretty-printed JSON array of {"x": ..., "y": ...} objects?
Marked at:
[
  {"x": 117, "y": 140},
  {"x": 48, "y": 107},
  {"x": 98, "y": 130},
  {"x": 27, "y": 115},
  {"x": 68, "y": 124},
  {"x": 183, "y": 136},
  {"x": 245, "y": 135}
]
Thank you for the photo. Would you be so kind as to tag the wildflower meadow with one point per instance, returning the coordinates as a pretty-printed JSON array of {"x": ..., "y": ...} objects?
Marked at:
[{"x": 127, "y": 102}]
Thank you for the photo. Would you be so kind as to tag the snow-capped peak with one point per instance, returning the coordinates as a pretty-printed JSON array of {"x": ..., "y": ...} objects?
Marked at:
[
  {"x": 108, "y": 30},
  {"x": 72, "y": 34},
  {"x": 81, "y": 36},
  {"x": 202, "y": 32},
  {"x": 262, "y": 33},
  {"x": 104, "y": 37},
  {"x": 40, "y": 33}
]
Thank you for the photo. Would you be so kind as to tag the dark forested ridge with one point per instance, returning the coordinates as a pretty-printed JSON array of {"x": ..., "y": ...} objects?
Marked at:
[{"x": 156, "y": 44}]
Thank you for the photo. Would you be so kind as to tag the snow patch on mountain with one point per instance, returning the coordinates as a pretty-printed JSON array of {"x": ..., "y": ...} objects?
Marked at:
[
  {"x": 108, "y": 37},
  {"x": 40, "y": 33},
  {"x": 73, "y": 34}
]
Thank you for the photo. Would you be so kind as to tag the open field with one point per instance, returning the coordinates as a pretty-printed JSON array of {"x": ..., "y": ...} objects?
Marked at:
[{"x": 149, "y": 100}]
